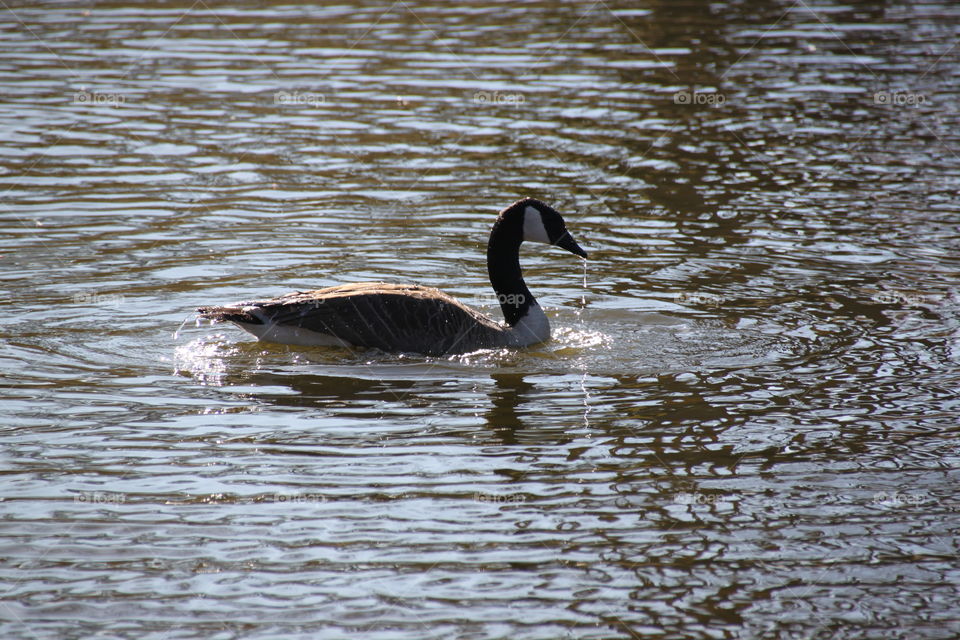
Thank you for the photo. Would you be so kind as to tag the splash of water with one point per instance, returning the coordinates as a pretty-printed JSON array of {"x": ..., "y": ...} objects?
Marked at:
[
  {"x": 204, "y": 359},
  {"x": 583, "y": 377},
  {"x": 176, "y": 334},
  {"x": 583, "y": 298}
]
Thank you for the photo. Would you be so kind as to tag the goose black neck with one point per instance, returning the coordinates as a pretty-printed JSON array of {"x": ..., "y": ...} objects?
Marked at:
[{"x": 503, "y": 265}]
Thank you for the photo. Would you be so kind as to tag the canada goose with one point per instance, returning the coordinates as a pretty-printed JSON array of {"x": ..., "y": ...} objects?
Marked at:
[{"x": 408, "y": 317}]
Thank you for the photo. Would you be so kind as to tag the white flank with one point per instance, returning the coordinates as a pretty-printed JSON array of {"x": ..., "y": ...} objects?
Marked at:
[
  {"x": 533, "y": 328},
  {"x": 272, "y": 332}
]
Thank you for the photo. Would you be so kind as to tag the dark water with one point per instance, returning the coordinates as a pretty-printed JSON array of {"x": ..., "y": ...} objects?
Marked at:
[{"x": 746, "y": 425}]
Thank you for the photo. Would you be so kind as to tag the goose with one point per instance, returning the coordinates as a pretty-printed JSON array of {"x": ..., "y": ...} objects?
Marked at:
[{"x": 414, "y": 318}]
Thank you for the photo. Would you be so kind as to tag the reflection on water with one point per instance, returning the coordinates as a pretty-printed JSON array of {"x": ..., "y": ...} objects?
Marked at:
[{"x": 744, "y": 426}]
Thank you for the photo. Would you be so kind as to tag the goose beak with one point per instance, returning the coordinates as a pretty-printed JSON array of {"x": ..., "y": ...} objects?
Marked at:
[{"x": 567, "y": 242}]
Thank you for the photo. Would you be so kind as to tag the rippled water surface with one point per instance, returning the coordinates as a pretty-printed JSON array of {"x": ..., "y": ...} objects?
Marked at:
[{"x": 745, "y": 426}]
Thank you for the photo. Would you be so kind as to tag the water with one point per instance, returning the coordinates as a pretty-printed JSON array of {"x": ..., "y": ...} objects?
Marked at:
[{"x": 745, "y": 426}]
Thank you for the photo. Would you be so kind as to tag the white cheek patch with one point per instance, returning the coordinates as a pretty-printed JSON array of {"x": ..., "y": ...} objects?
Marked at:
[{"x": 533, "y": 229}]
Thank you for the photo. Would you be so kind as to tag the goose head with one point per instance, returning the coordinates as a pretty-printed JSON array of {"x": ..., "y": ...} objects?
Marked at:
[{"x": 542, "y": 223}]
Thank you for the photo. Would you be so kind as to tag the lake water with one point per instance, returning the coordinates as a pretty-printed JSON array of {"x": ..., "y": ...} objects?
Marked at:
[{"x": 745, "y": 426}]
